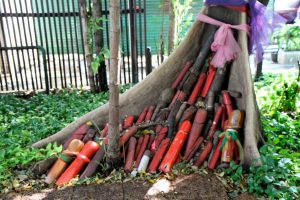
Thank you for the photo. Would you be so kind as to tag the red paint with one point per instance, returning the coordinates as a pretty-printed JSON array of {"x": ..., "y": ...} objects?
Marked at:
[
  {"x": 240, "y": 8},
  {"x": 106, "y": 140},
  {"x": 210, "y": 78},
  {"x": 236, "y": 152},
  {"x": 79, "y": 134},
  {"x": 216, "y": 121},
  {"x": 79, "y": 163},
  {"x": 196, "y": 130},
  {"x": 160, "y": 136},
  {"x": 181, "y": 96},
  {"x": 175, "y": 148},
  {"x": 128, "y": 133},
  {"x": 130, "y": 155},
  {"x": 142, "y": 116},
  {"x": 151, "y": 141},
  {"x": 128, "y": 121},
  {"x": 197, "y": 89},
  {"x": 188, "y": 114},
  {"x": 204, "y": 154},
  {"x": 149, "y": 114},
  {"x": 142, "y": 150},
  {"x": 105, "y": 130},
  {"x": 216, "y": 156},
  {"x": 227, "y": 102},
  {"x": 223, "y": 117},
  {"x": 228, "y": 151},
  {"x": 194, "y": 148},
  {"x": 174, "y": 98},
  {"x": 182, "y": 74},
  {"x": 158, "y": 156},
  {"x": 158, "y": 128},
  {"x": 138, "y": 147}
]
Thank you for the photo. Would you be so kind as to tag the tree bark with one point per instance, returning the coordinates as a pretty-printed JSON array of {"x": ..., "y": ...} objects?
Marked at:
[
  {"x": 99, "y": 44},
  {"x": 172, "y": 28},
  {"x": 88, "y": 51},
  {"x": 147, "y": 92},
  {"x": 113, "y": 128}
]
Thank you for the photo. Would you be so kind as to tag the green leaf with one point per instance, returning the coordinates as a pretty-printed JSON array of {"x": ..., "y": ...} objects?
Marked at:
[
  {"x": 293, "y": 189},
  {"x": 95, "y": 66},
  {"x": 239, "y": 170}
]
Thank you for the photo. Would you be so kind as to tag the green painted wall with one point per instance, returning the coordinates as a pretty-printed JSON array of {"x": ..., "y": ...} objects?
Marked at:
[
  {"x": 46, "y": 27},
  {"x": 158, "y": 22}
]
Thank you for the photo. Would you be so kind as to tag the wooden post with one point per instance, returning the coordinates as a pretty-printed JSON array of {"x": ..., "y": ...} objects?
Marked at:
[
  {"x": 113, "y": 128},
  {"x": 88, "y": 51},
  {"x": 148, "y": 60},
  {"x": 172, "y": 27}
]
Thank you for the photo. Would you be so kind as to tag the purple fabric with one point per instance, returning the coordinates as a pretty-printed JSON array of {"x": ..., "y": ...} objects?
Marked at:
[
  {"x": 288, "y": 9},
  {"x": 263, "y": 23}
]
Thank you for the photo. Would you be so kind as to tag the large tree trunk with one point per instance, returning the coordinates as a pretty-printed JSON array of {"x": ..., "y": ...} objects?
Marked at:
[
  {"x": 88, "y": 51},
  {"x": 172, "y": 28},
  {"x": 113, "y": 128},
  {"x": 99, "y": 44},
  {"x": 147, "y": 92}
]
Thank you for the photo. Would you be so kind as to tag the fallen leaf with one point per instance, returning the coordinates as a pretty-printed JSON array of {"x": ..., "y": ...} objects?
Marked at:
[
  {"x": 152, "y": 180},
  {"x": 16, "y": 183},
  {"x": 220, "y": 174},
  {"x": 22, "y": 177}
]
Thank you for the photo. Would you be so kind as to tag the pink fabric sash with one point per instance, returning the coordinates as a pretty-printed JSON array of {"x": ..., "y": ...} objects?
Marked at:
[{"x": 225, "y": 46}]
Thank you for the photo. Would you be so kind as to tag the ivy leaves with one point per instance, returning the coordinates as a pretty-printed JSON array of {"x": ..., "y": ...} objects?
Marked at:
[
  {"x": 279, "y": 176},
  {"x": 25, "y": 121},
  {"x": 279, "y": 101},
  {"x": 101, "y": 57}
]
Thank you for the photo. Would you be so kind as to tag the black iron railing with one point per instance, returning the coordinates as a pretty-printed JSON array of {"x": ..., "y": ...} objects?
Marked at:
[
  {"x": 27, "y": 27},
  {"x": 32, "y": 81}
]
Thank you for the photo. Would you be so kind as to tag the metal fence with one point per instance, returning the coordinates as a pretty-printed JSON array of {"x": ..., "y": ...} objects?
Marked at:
[{"x": 41, "y": 44}]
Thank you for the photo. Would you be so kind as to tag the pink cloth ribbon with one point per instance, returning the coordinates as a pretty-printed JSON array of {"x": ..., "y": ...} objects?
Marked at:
[{"x": 225, "y": 46}]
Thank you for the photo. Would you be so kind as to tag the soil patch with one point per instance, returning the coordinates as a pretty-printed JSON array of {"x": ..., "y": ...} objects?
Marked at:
[{"x": 192, "y": 186}]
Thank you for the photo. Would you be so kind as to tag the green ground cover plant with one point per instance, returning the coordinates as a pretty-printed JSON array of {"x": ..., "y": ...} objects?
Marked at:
[
  {"x": 279, "y": 100},
  {"x": 278, "y": 97},
  {"x": 25, "y": 121}
]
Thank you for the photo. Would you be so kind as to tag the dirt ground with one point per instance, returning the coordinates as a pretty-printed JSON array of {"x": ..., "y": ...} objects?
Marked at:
[{"x": 192, "y": 186}]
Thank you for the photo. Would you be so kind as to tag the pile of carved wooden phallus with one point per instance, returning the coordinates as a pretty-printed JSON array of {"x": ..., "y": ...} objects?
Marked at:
[{"x": 195, "y": 120}]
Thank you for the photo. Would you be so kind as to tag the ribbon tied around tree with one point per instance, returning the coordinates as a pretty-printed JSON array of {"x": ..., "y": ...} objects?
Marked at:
[
  {"x": 263, "y": 22},
  {"x": 225, "y": 46},
  {"x": 233, "y": 135}
]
